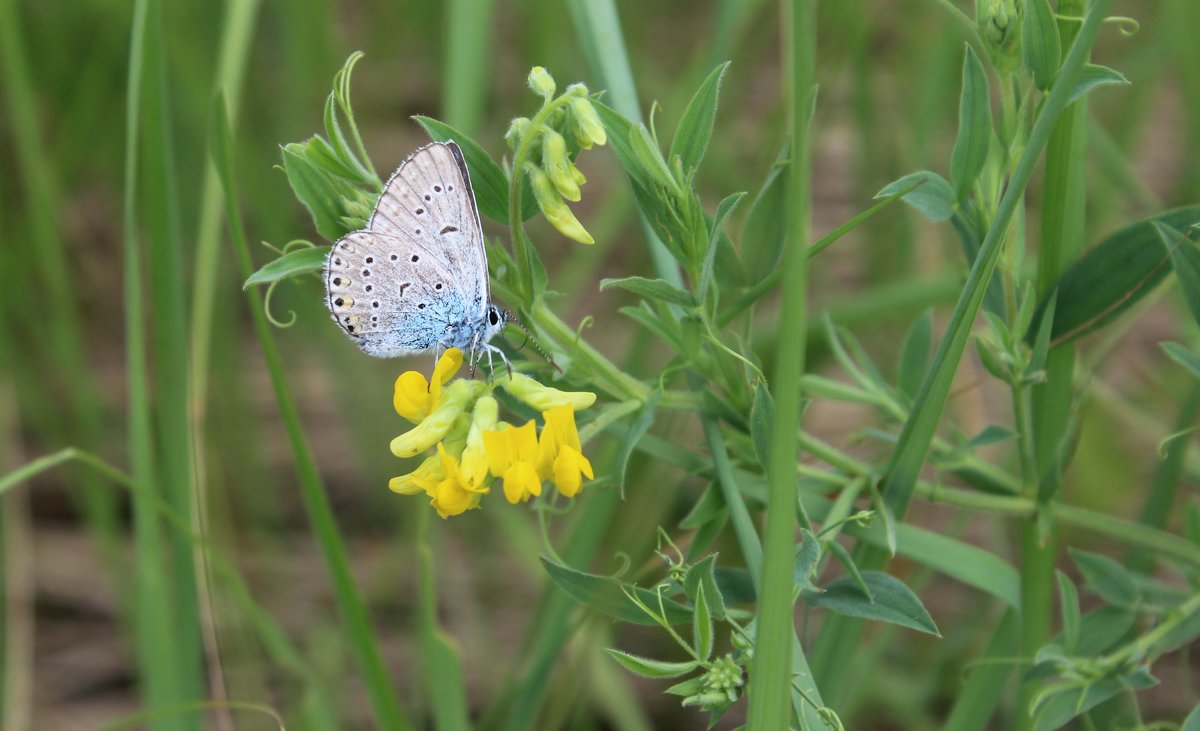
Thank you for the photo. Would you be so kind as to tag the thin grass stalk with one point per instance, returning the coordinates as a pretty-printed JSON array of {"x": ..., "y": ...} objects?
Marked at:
[
  {"x": 1063, "y": 203},
  {"x": 771, "y": 675},
  {"x": 466, "y": 54},
  {"x": 83, "y": 423},
  {"x": 598, "y": 28},
  {"x": 158, "y": 663},
  {"x": 236, "y": 32},
  {"x": 168, "y": 329},
  {"x": 833, "y": 655},
  {"x": 356, "y": 620}
]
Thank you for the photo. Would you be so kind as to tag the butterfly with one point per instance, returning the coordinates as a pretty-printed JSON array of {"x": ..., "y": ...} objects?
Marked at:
[{"x": 416, "y": 278}]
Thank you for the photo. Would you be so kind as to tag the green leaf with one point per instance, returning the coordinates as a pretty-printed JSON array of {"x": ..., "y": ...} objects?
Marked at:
[
  {"x": 322, "y": 194},
  {"x": 974, "y": 127},
  {"x": 914, "y": 354},
  {"x": 1107, "y": 578},
  {"x": 710, "y": 506},
  {"x": 724, "y": 208},
  {"x": 764, "y": 232},
  {"x": 1041, "y": 341},
  {"x": 1041, "y": 46},
  {"x": 605, "y": 595},
  {"x": 308, "y": 260},
  {"x": 664, "y": 327},
  {"x": 691, "y": 686},
  {"x": 648, "y": 668},
  {"x": 762, "y": 412},
  {"x": 933, "y": 199},
  {"x": 1068, "y": 600},
  {"x": 893, "y": 601},
  {"x": 702, "y": 626},
  {"x": 620, "y": 133},
  {"x": 702, "y": 576},
  {"x": 847, "y": 561},
  {"x": 649, "y": 157},
  {"x": 1060, "y": 708},
  {"x": 1183, "y": 357},
  {"x": 990, "y": 434},
  {"x": 487, "y": 178},
  {"x": 637, "y": 429},
  {"x": 807, "y": 554},
  {"x": 1112, "y": 277},
  {"x": 1192, "y": 722},
  {"x": 1185, "y": 257},
  {"x": 696, "y": 126},
  {"x": 657, "y": 289},
  {"x": 737, "y": 585},
  {"x": 1092, "y": 76}
]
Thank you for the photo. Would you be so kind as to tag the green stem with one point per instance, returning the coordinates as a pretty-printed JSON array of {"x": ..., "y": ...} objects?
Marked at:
[
  {"x": 620, "y": 382},
  {"x": 777, "y": 655}
]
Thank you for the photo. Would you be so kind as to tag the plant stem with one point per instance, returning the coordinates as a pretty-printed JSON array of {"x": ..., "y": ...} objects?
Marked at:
[{"x": 771, "y": 675}]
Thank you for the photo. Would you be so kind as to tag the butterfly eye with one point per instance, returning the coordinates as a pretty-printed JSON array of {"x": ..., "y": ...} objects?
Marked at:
[{"x": 493, "y": 318}]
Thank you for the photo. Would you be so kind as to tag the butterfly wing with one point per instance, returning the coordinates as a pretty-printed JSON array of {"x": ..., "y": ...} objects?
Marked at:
[
  {"x": 392, "y": 296},
  {"x": 429, "y": 198},
  {"x": 419, "y": 267}
]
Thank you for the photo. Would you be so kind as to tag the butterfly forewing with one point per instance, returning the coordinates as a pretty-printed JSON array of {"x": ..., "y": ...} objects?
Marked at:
[{"x": 429, "y": 199}]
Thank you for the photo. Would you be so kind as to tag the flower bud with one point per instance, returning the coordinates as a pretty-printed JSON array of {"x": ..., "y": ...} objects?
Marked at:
[
  {"x": 516, "y": 132},
  {"x": 1000, "y": 27},
  {"x": 577, "y": 89},
  {"x": 554, "y": 209},
  {"x": 435, "y": 426},
  {"x": 473, "y": 467},
  {"x": 544, "y": 398},
  {"x": 541, "y": 82},
  {"x": 586, "y": 123},
  {"x": 424, "y": 478},
  {"x": 558, "y": 165}
]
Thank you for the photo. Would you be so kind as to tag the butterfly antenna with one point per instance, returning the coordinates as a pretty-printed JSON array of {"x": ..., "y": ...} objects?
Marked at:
[{"x": 512, "y": 317}]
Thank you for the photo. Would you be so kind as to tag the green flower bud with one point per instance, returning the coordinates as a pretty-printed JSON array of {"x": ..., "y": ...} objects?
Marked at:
[
  {"x": 1000, "y": 26},
  {"x": 553, "y": 208},
  {"x": 473, "y": 466},
  {"x": 558, "y": 165},
  {"x": 577, "y": 89},
  {"x": 544, "y": 398},
  {"x": 541, "y": 82},
  {"x": 516, "y": 132},
  {"x": 586, "y": 123},
  {"x": 435, "y": 426}
]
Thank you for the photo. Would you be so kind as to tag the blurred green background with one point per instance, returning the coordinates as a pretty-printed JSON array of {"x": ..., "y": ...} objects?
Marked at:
[{"x": 888, "y": 76}]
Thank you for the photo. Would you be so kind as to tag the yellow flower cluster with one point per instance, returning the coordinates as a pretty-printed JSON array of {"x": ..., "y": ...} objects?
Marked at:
[{"x": 474, "y": 447}]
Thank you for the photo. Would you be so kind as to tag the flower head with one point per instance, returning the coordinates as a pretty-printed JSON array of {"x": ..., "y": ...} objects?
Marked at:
[
  {"x": 513, "y": 455},
  {"x": 560, "y": 455},
  {"x": 452, "y": 496}
]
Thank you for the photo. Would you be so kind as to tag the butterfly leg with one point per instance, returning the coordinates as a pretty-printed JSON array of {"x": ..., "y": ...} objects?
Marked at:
[{"x": 493, "y": 349}]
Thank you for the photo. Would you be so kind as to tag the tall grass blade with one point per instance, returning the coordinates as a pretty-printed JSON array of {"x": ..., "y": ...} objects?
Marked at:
[{"x": 467, "y": 49}]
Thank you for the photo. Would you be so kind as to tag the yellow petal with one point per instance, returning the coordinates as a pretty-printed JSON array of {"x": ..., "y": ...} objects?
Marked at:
[
  {"x": 423, "y": 478},
  {"x": 411, "y": 398},
  {"x": 443, "y": 371},
  {"x": 451, "y": 499},
  {"x": 566, "y": 474},
  {"x": 521, "y": 481},
  {"x": 499, "y": 453},
  {"x": 434, "y": 427}
]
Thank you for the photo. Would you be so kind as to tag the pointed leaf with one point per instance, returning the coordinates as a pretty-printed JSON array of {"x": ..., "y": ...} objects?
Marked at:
[
  {"x": 762, "y": 413},
  {"x": 656, "y": 289},
  {"x": 933, "y": 199},
  {"x": 308, "y": 260},
  {"x": 1106, "y": 577},
  {"x": 974, "y": 127},
  {"x": 696, "y": 125},
  {"x": 1183, "y": 357},
  {"x": 605, "y": 595},
  {"x": 702, "y": 576},
  {"x": 1185, "y": 257},
  {"x": 914, "y": 355},
  {"x": 648, "y": 668},
  {"x": 1092, "y": 76},
  {"x": 1068, "y": 600},
  {"x": 807, "y": 554},
  {"x": 702, "y": 626},
  {"x": 764, "y": 232},
  {"x": 893, "y": 601},
  {"x": 1041, "y": 46},
  {"x": 724, "y": 208}
]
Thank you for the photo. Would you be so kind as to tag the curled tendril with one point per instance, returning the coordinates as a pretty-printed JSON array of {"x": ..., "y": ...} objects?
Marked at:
[
  {"x": 583, "y": 325},
  {"x": 1126, "y": 26},
  {"x": 267, "y": 308},
  {"x": 624, "y": 563},
  {"x": 298, "y": 244}
]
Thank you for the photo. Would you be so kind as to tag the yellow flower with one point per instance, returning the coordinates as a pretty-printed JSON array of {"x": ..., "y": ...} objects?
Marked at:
[
  {"x": 474, "y": 461},
  {"x": 415, "y": 398},
  {"x": 451, "y": 496},
  {"x": 437, "y": 424},
  {"x": 513, "y": 455},
  {"x": 560, "y": 455},
  {"x": 424, "y": 478},
  {"x": 543, "y": 397}
]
